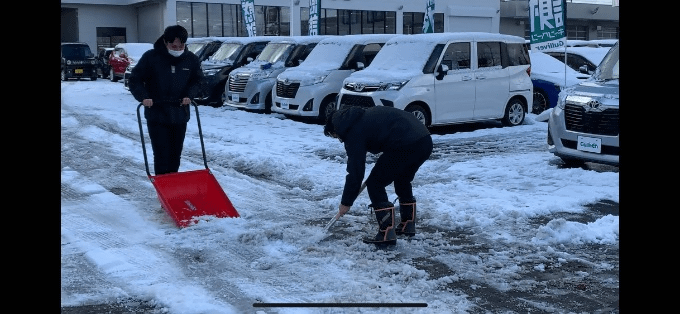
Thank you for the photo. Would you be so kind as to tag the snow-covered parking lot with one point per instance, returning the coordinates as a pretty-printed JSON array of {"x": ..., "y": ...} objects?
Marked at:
[{"x": 503, "y": 226}]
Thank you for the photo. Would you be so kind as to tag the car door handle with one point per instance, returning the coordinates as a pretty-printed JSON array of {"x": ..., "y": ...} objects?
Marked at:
[
  {"x": 481, "y": 77},
  {"x": 466, "y": 78}
]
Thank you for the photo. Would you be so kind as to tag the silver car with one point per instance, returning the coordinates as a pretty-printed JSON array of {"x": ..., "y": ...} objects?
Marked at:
[{"x": 584, "y": 125}]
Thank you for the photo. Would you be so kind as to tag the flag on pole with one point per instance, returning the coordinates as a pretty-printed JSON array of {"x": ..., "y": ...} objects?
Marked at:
[
  {"x": 314, "y": 9},
  {"x": 428, "y": 22},
  {"x": 548, "y": 24},
  {"x": 248, "y": 7}
]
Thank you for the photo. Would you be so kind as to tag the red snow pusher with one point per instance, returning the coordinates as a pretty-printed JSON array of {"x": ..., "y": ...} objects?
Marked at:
[{"x": 185, "y": 195}]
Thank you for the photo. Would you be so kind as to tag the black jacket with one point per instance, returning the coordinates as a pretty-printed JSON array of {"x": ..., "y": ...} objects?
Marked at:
[
  {"x": 153, "y": 78},
  {"x": 376, "y": 130}
]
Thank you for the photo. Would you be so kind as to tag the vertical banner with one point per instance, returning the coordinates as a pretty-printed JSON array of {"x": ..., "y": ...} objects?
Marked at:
[
  {"x": 548, "y": 19},
  {"x": 248, "y": 7},
  {"x": 428, "y": 22},
  {"x": 314, "y": 9}
]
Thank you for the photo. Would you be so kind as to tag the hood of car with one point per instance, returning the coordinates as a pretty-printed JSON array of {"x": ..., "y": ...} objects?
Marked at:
[
  {"x": 607, "y": 89},
  {"x": 210, "y": 64},
  {"x": 304, "y": 76}
]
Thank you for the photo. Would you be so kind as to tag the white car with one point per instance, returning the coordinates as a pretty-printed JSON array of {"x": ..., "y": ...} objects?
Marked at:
[
  {"x": 584, "y": 126},
  {"x": 250, "y": 86},
  {"x": 310, "y": 89},
  {"x": 581, "y": 59},
  {"x": 447, "y": 78}
]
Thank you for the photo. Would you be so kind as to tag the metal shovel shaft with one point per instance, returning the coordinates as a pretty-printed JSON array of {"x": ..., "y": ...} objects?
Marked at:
[{"x": 337, "y": 216}]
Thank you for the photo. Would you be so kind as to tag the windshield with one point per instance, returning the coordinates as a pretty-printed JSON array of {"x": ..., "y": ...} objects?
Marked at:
[
  {"x": 274, "y": 52},
  {"x": 404, "y": 56},
  {"x": 609, "y": 67},
  {"x": 330, "y": 54},
  {"x": 226, "y": 51},
  {"x": 194, "y": 47},
  {"x": 76, "y": 51}
]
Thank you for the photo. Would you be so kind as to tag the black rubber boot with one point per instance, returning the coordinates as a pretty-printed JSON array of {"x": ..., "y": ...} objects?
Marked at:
[
  {"x": 407, "y": 212},
  {"x": 385, "y": 216}
]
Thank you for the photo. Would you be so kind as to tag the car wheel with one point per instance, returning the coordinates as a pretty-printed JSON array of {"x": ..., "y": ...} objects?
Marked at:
[
  {"x": 112, "y": 76},
  {"x": 540, "y": 102},
  {"x": 514, "y": 113},
  {"x": 268, "y": 104},
  {"x": 421, "y": 114},
  {"x": 63, "y": 76},
  {"x": 327, "y": 107},
  {"x": 94, "y": 78}
]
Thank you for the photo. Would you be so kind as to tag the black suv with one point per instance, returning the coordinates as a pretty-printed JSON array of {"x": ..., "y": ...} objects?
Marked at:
[
  {"x": 232, "y": 54},
  {"x": 103, "y": 66},
  {"x": 77, "y": 61}
]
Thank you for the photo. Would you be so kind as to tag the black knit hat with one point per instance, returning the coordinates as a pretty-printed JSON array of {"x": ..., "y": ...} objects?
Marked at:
[{"x": 175, "y": 31}]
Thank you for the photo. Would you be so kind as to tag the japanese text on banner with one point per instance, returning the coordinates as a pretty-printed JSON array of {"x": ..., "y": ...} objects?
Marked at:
[
  {"x": 314, "y": 8},
  {"x": 249, "y": 16},
  {"x": 547, "y": 24}
]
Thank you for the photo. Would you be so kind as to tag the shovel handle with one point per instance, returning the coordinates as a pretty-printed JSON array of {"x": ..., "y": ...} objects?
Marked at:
[{"x": 337, "y": 216}]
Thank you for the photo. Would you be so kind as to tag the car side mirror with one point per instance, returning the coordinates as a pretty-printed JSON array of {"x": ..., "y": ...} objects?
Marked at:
[
  {"x": 360, "y": 66},
  {"x": 249, "y": 59},
  {"x": 442, "y": 70},
  {"x": 583, "y": 69}
]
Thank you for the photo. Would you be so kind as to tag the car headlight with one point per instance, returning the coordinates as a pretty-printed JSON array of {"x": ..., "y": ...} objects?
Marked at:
[
  {"x": 392, "y": 85},
  {"x": 561, "y": 100},
  {"x": 319, "y": 79},
  {"x": 210, "y": 72}
]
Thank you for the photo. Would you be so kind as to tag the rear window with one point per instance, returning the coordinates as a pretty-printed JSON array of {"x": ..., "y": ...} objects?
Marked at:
[
  {"x": 488, "y": 54},
  {"x": 518, "y": 54}
]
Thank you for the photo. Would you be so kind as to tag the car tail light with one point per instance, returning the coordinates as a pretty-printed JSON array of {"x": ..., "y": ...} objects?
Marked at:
[{"x": 529, "y": 70}]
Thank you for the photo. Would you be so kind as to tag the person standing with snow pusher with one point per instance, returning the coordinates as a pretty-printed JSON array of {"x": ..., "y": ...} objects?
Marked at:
[
  {"x": 165, "y": 80},
  {"x": 405, "y": 144}
]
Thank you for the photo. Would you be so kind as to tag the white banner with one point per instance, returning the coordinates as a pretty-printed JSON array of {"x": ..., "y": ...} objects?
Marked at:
[
  {"x": 248, "y": 7},
  {"x": 547, "y": 24},
  {"x": 314, "y": 10},
  {"x": 428, "y": 22}
]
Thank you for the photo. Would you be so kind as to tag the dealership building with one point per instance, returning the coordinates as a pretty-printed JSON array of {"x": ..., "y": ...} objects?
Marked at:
[{"x": 104, "y": 23}]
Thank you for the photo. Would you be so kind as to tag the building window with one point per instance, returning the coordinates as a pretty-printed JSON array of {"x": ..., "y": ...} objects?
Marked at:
[
  {"x": 183, "y": 11},
  {"x": 199, "y": 25},
  {"x": 215, "y": 20},
  {"x": 413, "y": 22},
  {"x": 232, "y": 21},
  {"x": 608, "y": 33},
  {"x": 577, "y": 32}
]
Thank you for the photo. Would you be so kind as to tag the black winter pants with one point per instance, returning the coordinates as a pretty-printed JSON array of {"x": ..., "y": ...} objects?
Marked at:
[
  {"x": 167, "y": 141},
  {"x": 398, "y": 166}
]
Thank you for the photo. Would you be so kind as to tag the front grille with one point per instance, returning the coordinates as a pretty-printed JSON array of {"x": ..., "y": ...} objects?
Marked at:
[
  {"x": 286, "y": 91},
  {"x": 237, "y": 84},
  {"x": 360, "y": 88},
  {"x": 354, "y": 100},
  {"x": 577, "y": 119}
]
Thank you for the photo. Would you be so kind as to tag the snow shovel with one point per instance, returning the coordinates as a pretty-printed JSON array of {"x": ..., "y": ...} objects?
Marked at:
[
  {"x": 337, "y": 216},
  {"x": 185, "y": 195}
]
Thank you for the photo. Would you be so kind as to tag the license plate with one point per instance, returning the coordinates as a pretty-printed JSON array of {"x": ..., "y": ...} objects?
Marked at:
[
  {"x": 234, "y": 97},
  {"x": 284, "y": 105},
  {"x": 589, "y": 144},
  {"x": 79, "y": 71}
]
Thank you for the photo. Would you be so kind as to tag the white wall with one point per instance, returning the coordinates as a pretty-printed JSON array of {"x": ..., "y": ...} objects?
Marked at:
[{"x": 92, "y": 16}]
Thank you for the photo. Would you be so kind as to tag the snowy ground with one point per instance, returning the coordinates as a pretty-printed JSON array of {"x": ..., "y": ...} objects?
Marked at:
[{"x": 504, "y": 227}]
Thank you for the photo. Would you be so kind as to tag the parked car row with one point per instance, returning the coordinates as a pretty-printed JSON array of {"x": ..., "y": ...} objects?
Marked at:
[{"x": 438, "y": 77}]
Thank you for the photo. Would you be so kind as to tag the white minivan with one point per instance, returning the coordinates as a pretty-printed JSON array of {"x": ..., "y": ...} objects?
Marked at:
[
  {"x": 310, "y": 89},
  {"x": 249, "y": 87},
  {"x": 447, "y": 78}
]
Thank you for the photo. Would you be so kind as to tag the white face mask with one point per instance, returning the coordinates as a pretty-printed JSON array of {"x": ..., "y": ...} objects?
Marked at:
[{"x": 175, "y": 53}]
